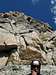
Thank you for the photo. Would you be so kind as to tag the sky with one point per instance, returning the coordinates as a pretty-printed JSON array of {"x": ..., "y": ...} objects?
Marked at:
[{"x": 39, "y": 9}]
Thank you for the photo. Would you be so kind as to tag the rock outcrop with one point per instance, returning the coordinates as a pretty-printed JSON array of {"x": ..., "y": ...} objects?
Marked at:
[{"x": 22, "y": 39}]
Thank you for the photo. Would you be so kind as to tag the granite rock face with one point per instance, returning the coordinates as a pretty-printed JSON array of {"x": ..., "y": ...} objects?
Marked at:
[
  {"x": 22, "y": 39},
  {"x": 25, "y": 70},
  {"x": 7, "y": 41}
]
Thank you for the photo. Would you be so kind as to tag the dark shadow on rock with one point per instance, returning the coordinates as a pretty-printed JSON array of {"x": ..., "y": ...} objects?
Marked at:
[{"x": 7, "y": 50}]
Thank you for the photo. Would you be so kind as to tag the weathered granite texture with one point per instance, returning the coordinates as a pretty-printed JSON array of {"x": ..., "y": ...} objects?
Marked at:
[
  {"x": 25, "y": 70},
  {"x": 22, "y": 39}
]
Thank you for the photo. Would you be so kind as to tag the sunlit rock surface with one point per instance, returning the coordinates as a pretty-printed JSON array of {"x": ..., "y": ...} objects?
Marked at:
[
  {"x": 25, "y": 70},
  {"x": 23, "y": 39}
]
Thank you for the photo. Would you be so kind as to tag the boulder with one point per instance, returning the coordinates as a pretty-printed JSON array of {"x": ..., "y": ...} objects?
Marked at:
[{"x": 7, "y": 41}]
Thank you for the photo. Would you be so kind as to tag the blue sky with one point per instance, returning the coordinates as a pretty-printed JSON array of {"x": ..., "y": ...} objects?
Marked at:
[{"x": 39, "y": 9}]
